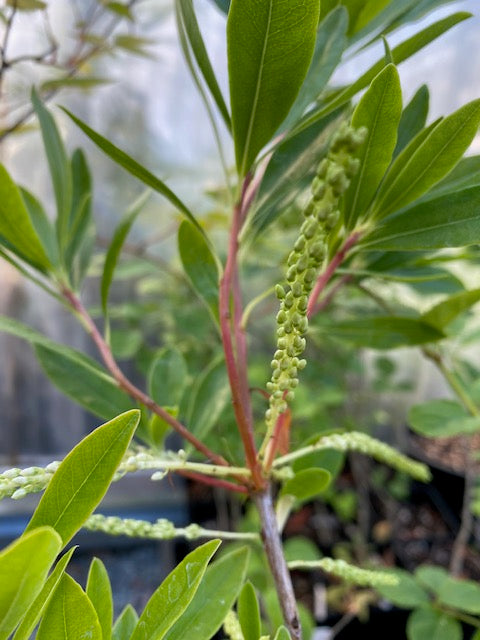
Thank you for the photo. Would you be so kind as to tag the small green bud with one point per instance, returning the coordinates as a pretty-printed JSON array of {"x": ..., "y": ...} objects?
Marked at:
[
  {"x": 294, "y": 383},
  {"x": 282, "y": 344},
  {"x": 281, "y": 317},
  {"x": 302, "y": 364},
  {"x": 289, "y": 300},
  {"x": 291, "y": 274},
  {"x": 322, "y": 168},
  {"x": 317, "y": 251},
  {"x": 289, "y": 396},
  {"x": 309, "y": 209},
  {"x": 302, "y": 303},
  {"x": 318, "y": 188},
  {"x": 300, "y": 244},
  {"x": 290, "y": 351},
  {"x": 276, "y": 374},
  {"x": 288, "y": 327},
  {"x": 310, "y": 229},
  {"x": 280, "y": 332},
  {"x": 271, "y": 386},
  {"x": 279, "y": 291},
  {"x": 278, "y": 355},
  {"x": 274, "y": 364},
  {"x": 292, "y": 372},
  {"x": 268, "y": 414},
  {"x": 302, "y": 263},
  {"x": 303, "y": 325},
  {"x": 297, "y": 289},
  {"x": 277, "y": 394},
  {"x": 292, "y": 259},
  {"x": 296, "y": 319},
  {"x": 309, "y": 275}
]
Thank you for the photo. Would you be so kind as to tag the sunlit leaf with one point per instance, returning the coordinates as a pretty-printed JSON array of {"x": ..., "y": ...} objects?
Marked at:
[{"x": 99, "y": 592}]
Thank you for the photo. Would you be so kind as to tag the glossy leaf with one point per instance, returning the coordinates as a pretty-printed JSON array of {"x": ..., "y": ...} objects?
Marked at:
[
  {"x": 167, "y": 377},
  {"x": 379, "y": 112},
  {"x": 249, "y": 613},
  {"x": 413, "y": 119},
  {"x": 209, "y": 397},
  {"x": 465, "y": 174},
  {"x": 24, "y": 566},
  {"x": 99, "y": 592},
  {"x": 384, "y": 332},
  {"x": 460, "y": 594},
  {"x": 329, "y": 46},
  {"x": 83, "y": 380},
  {"x": 173, "y": 596},
  {"x": 270, "y": 45},
  {"x": 201, "y": 56},
  {"x": 84, "y": 476},
  {"x": 282, "y": 634},
  {"x": 37, "y": 608},
  {"x": 134, "y": 168},
  {"x": 42, "y": 225},
  {"x": 200, "y": 265},
  {"x": 289, "y": 172},
  {"x": 432, "y": 160},
  {"x": 70, "y": 614},
  {"x": 59, "y": 166},
  {"x": 125, "y": 624},
  {"x": 115, "y": 248},
  {"x": 445, "y": 312},
  {"x": 407, "y": 593},
  {"x": 214, "y": 599},
  {"x": 16, "y": 227},
  {"x": 450, "y": 220},
  {"x": 306, "y": 484},
  {"x": 442, "y": 418},
  {"x": 428, "y": 623},
  {"x": 401, "y": 52}
]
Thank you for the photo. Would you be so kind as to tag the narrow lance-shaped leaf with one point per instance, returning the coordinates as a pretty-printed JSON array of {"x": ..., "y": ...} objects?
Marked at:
[
  {"x": 446, "y": 311},
  {"x": 413, "y": 118},
  {"x": 23, "y": 569},
  {"x": 134, "y": 168},
  {"x": 200, "y": 265},
  {"x": 59, "y": 167},
  {"x": 432, "y": 160},
  {"x": 451, "y": 220},
  {"x": 282, "y": 634},
  {"x": 115, "y": 248},
  {"x": 441, "y": 419},
  {"x": 84, "y": 476},
  {"x": 36, "y": 610},
  {"x": 329, "y": 46},
  {"x": 70, "y": 615},
  {"x": 465, "y": 174},
  {"x": 197, "y": 45},
  {"x": 379, "y": 112},
  {"x": 214, "y": 598},
  {"x": 99, "y": 592},
  {"x": 17, "y": 231},
  {"x": 401, "y": 52},
  {"x": 249, "y": 613},
  {"x": 270, "y": 46},
  {"x": 125, "y": 624},
  {"x": 174, "y": 595},
  {"x": 167, "y": 377}
]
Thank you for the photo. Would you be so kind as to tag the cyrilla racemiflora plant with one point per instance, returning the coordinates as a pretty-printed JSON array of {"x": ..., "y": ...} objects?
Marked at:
[{"x": 374, "y": 188}]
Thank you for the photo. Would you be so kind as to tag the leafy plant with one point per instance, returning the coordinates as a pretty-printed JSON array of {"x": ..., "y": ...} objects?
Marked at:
[{"x": 355, "y": 197}]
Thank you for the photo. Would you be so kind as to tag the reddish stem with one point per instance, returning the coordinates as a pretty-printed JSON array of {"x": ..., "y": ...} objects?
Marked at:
[
  {"x": 282, "y": 427},
  {"x": 332, "y": 266},
  {"x": 236, "y": 362},
  {"x": 130, "y": 388},
  {"x": 214, "y": 482}
]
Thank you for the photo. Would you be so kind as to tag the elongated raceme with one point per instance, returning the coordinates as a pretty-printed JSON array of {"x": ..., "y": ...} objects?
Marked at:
[{"x": 304, "y": 263}]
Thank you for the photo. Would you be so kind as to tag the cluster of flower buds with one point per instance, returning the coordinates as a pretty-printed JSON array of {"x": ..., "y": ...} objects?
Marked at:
[
  {"x": 348, "y": 572},
  {"x": 160, "y": 530},
  {"x": 17, "y": 483},
  {"x": 308, "y": 255}
]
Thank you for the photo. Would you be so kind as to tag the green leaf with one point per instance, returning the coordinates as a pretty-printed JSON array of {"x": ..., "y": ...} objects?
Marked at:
[
  {"x": 99, "y": 592},
  {"x": 197, "y": 45},
  {"x": 379, "y": 111},
  {"x": 413, "y": 118},
  {"x": 300, "y": 548},
  {"x": 134, "y": 44},
  {"x": 460, "y": 594},
  {"x": 77, "y": 375},
  {"x": 70, "y": 614},
  {"x": 120, "y": 9},
  {"x": 115, "y": 248},
  {"x": 401, "y": 52},
  {"x": 442, "y": 418},
  {"x": 329, "y": 46},
  {"x": 209, "y": 397},
  {"x": 200, "y": 265},
  {"x": 167, "y": 377},
  {"x": 407, "y": 593},
  {"x": 431, "y": 577},
  {"x": 249, "y": 613},
  {"x": 125, "y": 624},
  {"x": 427, "y": 623},
  {"x": 42, "y": 225},
  {"x": 79, "y": 82},
  {"x": 134, "y": 168},
  {"x": 282, "y": 634},
  {"x": 83, "y": 477},
  {"x": 27, "y": 5},
  {"x": 37, "y": 608},
  {"x": 59, "y": 167},
  {"x": 376, "y": 13},
  {"x": 384, "y": 332},
  {"x": 465, "y": 174},
  {"x": 173, "y": 596},
  {"x": 450, "y": 220},
  {"x": 17, "y": 231},
  {"x": 24, "y": 566},
  {"x": 83, "y": 380},
  {"x": 445, "y": 312},
  {"x": 306, "y": 484},
  {"x": 289, "y": 172},
  {"x": 432, "y": 160},
  {"x": 270, "y": 45},
  {"x": 214, "y": 599}
]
